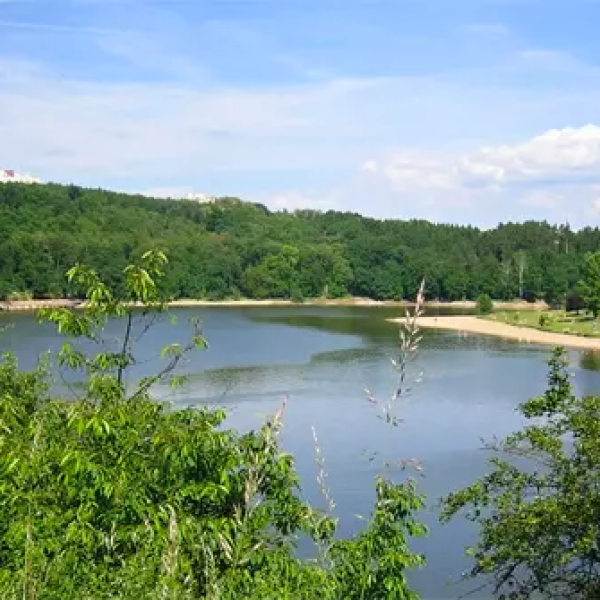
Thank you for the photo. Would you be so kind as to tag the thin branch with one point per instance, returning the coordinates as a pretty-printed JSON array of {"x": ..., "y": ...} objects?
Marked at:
[{"x": 125, "y": 347}]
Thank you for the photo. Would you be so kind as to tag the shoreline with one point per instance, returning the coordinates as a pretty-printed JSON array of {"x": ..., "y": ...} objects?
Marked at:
[
  {"x": 34, "y": 305},
  {"x": 472, "y": 324}
]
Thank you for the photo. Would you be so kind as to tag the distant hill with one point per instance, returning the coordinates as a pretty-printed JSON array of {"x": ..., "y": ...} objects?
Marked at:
[{"x": 229, "y": 248}]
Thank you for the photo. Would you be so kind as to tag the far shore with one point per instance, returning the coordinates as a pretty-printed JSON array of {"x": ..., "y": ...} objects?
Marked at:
[
  {"x": 471, "y": 324},
  {"x": 34, "y": 305}
]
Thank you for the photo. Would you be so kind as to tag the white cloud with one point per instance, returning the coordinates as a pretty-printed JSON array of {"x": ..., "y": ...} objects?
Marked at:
[
  {"x": 408, "y": 171},
  {"x": 567, "y": 154},
  {"x": 545, "y": 199},
  {"x": 551, "y": 175}
]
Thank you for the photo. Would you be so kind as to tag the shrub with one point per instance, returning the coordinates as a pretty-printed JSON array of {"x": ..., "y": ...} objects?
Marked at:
[
  {"x": 19, "y": 296},
  {"x": 296, "y": 294},
  {"x": 399, "y": 294},
  {"x": 575, "y": 302},
  {"x": 544, "y": 320},
  {"x": 484, "y": 304}
]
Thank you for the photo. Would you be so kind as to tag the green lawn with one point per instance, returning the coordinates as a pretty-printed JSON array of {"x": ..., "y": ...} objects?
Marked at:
[{"x": 550, "y": 320}]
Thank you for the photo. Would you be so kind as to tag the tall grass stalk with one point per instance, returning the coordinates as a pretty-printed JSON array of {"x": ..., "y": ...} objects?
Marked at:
[{"x": 408, "y": 349}]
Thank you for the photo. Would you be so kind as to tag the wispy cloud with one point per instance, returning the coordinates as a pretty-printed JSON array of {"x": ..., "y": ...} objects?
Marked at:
[
  {"x": 491, "y": 29},
  {"x": 69, "y": 29},
  {"x": 145, "y": 52}
]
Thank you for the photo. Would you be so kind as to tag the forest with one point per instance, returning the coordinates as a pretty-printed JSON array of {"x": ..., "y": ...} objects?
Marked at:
[{"x": 232, "y": 249}]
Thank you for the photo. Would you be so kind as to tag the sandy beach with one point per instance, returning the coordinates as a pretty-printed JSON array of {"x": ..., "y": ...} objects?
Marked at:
[
  {"x": 470, "y": 324},
  {"x": 33, "y": 305}
]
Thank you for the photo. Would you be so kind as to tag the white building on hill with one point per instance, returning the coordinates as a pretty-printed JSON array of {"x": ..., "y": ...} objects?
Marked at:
[
  {"x": 11, "y": 176},
  {"x": 200, "y": 197}
]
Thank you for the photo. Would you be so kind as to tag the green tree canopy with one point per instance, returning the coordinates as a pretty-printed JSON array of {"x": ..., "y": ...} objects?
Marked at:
[
  {"x": 590, "y": 284},
  {"x": 229, "y": 248}
]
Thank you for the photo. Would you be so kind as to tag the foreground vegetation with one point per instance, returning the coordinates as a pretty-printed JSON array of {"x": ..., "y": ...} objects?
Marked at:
[
  {"x": 229, "y": 249},
  {"x": 112, "y": 495}
]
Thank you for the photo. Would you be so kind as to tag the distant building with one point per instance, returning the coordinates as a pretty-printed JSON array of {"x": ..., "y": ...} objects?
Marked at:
[
  {"x": 11, "y": 176},
  {"x": 201, "y": 197}
]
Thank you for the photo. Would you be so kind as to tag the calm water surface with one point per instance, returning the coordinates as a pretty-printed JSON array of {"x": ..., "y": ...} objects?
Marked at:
[{"x": 323, "y": 359}]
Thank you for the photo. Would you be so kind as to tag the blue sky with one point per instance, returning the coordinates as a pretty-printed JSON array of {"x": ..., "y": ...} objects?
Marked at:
[{"x": 472, "y": 111}]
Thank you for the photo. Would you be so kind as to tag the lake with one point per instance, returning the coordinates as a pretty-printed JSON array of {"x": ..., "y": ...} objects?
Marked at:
[{"x": 324, "y": 358}]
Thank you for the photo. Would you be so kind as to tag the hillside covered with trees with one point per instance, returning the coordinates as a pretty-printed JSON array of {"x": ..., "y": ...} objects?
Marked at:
[{"x": 231, "y": 248}]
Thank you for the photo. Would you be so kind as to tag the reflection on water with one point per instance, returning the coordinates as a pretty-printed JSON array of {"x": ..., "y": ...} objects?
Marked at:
[
  {"x": 590, "y": 360},
  {"x": 230, "y": 385},
  {"x": 348, "y": 357},
  {"x": 353, "y": 323},
  {"x": 323, "y": 358},
  {"x": 373, "y": 324}
]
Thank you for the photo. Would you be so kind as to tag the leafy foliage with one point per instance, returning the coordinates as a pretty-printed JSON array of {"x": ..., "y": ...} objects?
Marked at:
[
  {"x": 575, "y": 300},
  {"x": 114, "y": 495},
  {"x": 485, "y": 306},
  {"x": 590, "y": 285},
  {"x": 539, "y": 509},
  {"x": 230, "y": 248}
]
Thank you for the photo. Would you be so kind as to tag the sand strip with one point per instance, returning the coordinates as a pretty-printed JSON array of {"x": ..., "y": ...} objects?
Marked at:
[
  {"x": 33, "y": 305},
  {"x": 522, "y": 334}
]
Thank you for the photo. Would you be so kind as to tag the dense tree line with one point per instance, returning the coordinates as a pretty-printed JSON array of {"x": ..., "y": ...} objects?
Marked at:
[{"x": 230, "y": 248}]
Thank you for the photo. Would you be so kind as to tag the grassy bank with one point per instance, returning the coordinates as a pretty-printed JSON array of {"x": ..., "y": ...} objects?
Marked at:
[{"x": 555, "y": 321}]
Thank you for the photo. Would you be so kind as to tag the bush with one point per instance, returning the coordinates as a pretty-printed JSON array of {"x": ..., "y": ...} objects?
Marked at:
[
  {"x": 574, "y": 302},
  {"x": 544, "y": 320},
  {"x": 399, "y": 294},
  {"x": 554, "y": 299},
  {"x": 484, "y": 305},
  {"x": 19, "y": 296},
  {"x": 296, "y": 294}
]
